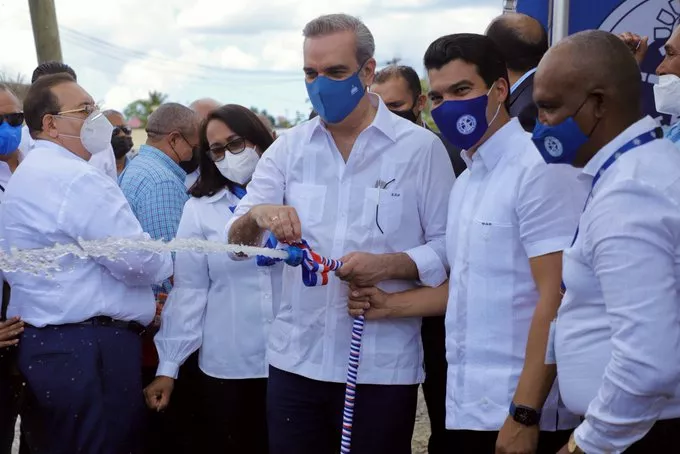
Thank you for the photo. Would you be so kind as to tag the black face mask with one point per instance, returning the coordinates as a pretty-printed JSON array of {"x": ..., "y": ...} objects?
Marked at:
[
  {"x": 121, "y": 145},
  {"x": 191, "y": 165},
  {"x": 406, "y": 114}
]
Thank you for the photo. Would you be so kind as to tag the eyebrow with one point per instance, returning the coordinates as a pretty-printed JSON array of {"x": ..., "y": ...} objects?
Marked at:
[{"x": 334, "y": 68}]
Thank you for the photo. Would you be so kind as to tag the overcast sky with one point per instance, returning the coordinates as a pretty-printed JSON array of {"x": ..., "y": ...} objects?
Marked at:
[{"x": 247, "y": 52}]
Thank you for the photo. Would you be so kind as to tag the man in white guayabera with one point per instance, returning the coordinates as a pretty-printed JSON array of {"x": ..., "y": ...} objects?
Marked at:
[
  {"x": 81, "y": 351},
  {"x": 364, "y": 185}
]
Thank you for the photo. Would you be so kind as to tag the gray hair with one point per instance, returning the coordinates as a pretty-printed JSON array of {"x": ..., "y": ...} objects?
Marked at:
[
  {"x": 170, "y": 117},
  {"x": 333, "y": 23}
]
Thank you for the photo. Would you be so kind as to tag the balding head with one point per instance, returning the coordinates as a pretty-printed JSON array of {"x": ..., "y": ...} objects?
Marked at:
[
  {"x": 592, "y": 77},
  {"x": 173, "y": 129},
  {"x": 521, "y": 39},
  {"x": 204, "y": 106}
]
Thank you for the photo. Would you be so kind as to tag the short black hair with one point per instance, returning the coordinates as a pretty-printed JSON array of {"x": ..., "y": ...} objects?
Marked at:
[
  {"x": 522, "y": 43},
  {"x": 313, "y": 114},
  {"x": 472, "y": 48},
  {"x": 406, "y": 72},
  {"x": 244, "y": 123},
  {"x": 40, "y": 100},
  {"x": 52, "y": 67}
]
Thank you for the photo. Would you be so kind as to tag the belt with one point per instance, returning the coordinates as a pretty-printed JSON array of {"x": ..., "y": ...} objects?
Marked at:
[{"x": 101, "y": 320}]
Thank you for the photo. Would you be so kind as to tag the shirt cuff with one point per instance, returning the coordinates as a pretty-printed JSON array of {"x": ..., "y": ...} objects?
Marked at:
[
  {"x": 548, "y": 246},
  {"x": 431, "y": 270},
  {"x": 168, "y": 369},
  {"x": 589, "y": 440}
]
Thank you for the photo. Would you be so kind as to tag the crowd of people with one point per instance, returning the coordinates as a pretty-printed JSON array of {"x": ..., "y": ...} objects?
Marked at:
[{"x": 521, "y": 263}]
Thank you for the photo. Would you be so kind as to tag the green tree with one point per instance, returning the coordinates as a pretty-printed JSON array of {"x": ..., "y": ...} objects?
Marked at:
[
  {"x": 142, "y": 108},
  {"x": 264, "y": 112},
  {"x": 427, "y": 112}
]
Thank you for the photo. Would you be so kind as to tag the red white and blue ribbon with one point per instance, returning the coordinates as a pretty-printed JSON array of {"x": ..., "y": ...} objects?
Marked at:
[{"x": 315, "y": 269}]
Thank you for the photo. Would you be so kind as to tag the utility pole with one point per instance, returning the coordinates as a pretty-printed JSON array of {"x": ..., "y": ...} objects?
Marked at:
[{"x": 45, "y": 30}]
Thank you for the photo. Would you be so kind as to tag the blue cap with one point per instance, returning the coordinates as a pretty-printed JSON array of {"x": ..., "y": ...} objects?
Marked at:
[{"x": 295, "y": 256}]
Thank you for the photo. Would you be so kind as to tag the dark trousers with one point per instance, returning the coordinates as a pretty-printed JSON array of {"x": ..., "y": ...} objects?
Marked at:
[
  {"x": 10, "y": 399},
  {"x": 174, "y": 430},
  {"x": 233, "y": 415},
  {"x": 85, "y": 389},
  {"x": 434, "y": 389},
  {"x": 305, "y": 416},
  {"x": 484, "y": 442},
  {"x": 663, "y": 437}
]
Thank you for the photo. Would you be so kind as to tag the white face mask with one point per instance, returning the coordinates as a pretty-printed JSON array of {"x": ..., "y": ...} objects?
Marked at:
[
  {"x": 95, "y": 133},
  {"x": 239, "y": 168},
  {"x": 667, "y": 94}
]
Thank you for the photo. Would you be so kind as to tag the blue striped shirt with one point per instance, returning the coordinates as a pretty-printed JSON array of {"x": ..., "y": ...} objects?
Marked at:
[{"x": 154, "y": 186}]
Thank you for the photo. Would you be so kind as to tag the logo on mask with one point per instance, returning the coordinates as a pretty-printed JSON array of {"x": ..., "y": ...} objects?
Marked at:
[
  {"x": 466, "y": 124},
  {"x": 354, "y": 90},
  {"x": 553, "y": 146},
  {"x": 652, "y": 18}
]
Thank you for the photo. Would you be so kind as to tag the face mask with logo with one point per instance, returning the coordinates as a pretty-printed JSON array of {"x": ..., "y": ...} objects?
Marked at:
[
  {"x": 559, "y": 144},
  {"x": 463, "y": 123},
  {"x": 333, "y": 99},
  {"x": 121, "y": 146},
  {"x": 95, "y": 134},
  {"x": 667, "y": 94},
  {"x": 239, "y": 168},
  {"x": 10, "y": 138}
]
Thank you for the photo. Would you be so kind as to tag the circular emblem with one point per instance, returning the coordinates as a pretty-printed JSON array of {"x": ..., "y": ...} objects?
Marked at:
[
  {"x": 466, "y": 124},
  {"x": 553, "y": 146}
]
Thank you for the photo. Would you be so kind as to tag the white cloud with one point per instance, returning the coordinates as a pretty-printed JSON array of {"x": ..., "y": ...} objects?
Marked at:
[{"x": 227, "y": 50}]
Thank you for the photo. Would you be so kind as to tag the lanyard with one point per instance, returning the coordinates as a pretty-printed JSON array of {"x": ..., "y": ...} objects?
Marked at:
[{"x": 642, "y": 139}]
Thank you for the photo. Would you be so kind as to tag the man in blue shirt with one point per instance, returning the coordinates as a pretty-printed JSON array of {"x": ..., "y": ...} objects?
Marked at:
[{"x": 154, "y": 185}]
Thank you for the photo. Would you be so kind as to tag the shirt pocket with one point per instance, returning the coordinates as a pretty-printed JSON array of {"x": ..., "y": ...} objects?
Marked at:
[
  {"x": 308, "y": 200},
  {"x": 383, "y": 210},
  {"x": 492, "y": 246}
]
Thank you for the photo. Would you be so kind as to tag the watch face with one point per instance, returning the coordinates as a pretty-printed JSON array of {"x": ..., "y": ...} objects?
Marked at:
[{"x": 526, "y": 416}]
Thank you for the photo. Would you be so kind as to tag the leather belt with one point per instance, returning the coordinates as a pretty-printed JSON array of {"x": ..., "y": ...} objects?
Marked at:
[{"x": 101, "y": 320}]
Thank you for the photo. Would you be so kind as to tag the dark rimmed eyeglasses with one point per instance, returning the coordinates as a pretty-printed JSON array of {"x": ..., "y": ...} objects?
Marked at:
[
  {"x": 236, "y": 146},
  {"x": 12, "y": 119},
  {"x": 380, "y": 185},
  {"x": 124, "y": 129}
]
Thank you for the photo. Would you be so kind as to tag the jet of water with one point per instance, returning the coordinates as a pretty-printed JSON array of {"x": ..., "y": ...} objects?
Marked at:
[{"x": 45, "y": 260}]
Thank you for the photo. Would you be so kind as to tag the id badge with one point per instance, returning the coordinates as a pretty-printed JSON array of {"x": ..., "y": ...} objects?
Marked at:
[{"x": 550, "y": 348}]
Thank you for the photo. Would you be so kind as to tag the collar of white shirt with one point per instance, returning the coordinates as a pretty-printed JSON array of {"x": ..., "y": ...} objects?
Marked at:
[
  {"x": 219, "y": 195},
  {"x": 494, "y": 147},
  {"x": 56, "y": 147},
  {"x": 639, "y": 127},
  {"x": 382, "y": 121}
]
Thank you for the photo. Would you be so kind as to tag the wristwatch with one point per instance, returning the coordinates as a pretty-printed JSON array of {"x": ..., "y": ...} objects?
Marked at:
[
  {"x": 524, "y": 415},
  {"x": 572, "y": 447}
]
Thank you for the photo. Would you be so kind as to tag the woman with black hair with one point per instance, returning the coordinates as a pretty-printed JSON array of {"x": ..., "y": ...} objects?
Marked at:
[{"x": 222, "y": 306}]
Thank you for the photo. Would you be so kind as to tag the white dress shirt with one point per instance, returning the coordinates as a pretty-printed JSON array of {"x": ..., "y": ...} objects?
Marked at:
[
  {"x": 104, "y": 161},
  {"x": 192, "y": 178},
  {"x": 5, "y": 175},
  {"x": 222, "y": 306},
  {"x": 618, "y": 328},
  {"x": 507, "y": 207},
  {"x": 336, "y": 203},
  {"x": 56, "y": 197}
]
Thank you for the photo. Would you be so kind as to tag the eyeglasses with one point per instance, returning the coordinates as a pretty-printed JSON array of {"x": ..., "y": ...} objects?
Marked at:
[
  {"x": 12, "y": 119},
  {"x": 124, "y": 129},
  {"x": 380, "y": 185},
  {"x": 236, "y": 146},
  {"x": 89, "y": 109}
]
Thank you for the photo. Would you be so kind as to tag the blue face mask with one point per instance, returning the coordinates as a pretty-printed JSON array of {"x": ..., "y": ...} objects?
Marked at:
[
  {"x": 559, "y": 144},
  {"x": 334, "y": 100},
  {"x": 463, "y": 123},
  {"x": 10, "y": 138}
]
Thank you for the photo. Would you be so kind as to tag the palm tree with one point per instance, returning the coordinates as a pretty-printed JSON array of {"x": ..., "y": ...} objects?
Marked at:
[{"x": 142, "y": 108}]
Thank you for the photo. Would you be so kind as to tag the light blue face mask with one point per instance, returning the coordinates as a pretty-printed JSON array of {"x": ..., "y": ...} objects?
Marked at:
[
  {"x": 333, "y": 99},
  {"x": 10, "y": 138}
]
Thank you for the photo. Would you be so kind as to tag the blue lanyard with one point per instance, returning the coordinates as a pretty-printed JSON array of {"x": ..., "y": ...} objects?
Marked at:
[{"x": 642, "y": 139}]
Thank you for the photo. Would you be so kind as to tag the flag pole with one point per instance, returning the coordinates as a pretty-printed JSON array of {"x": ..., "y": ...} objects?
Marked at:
[{"x": 560, "y": 20}]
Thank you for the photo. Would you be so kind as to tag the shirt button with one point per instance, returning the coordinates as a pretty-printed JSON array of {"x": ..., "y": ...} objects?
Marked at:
[
  {"x": 485, "y": 401},
  {"x": 267, "y": 295}
]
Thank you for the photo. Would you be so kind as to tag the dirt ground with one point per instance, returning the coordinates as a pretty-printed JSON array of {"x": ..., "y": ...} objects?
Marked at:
[{"x": 421, "y": 433}]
